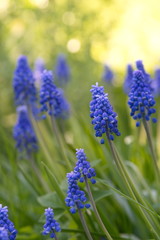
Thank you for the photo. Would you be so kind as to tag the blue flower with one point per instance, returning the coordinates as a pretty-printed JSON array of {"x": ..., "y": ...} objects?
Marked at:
[
  {"x": 62, "y": 70},
  {"x": 23, "y": 133},
  {"x": 51, "y": 226},
  {"x": 3, "y": 234},
  {"x": 104, "y": 118},
  {"x": 128, "y": 79},
  {"x": 140, "y": 67},
  {"x": 7, "y": 224},
  {"x": 52, "y": 98},
  {"x": 83, "y": 166},
  {"x": 38, "y": 70},
  {"x": 108, "y": 74},
  {"x": 23, "y": 83},
  {"x": 141, "y": 101},
  {"x": 156, "y": 82},
  {"x": 76, "y": 198}
]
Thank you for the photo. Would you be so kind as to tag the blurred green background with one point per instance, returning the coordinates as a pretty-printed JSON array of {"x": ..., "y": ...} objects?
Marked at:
[{"x": 90, "y": 33}]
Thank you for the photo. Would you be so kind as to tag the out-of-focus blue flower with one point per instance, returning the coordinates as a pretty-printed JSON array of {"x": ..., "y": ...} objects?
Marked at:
[
  {"x": 75, "y": 197},
  {"x": 140, "y": 67},
  {"x": 128, "y": 79},
  {"x": 38, "y": 70},
  {"x": 23, "y": 83},
  {"x": 62, "y": 70},
  {"x": 141, "y": 101},
  {"x": 52, "y": 98},
  {"x": 104, "y": 118},
  {"x": 51, "y": 226},
  {"x": 83, "y": 167},
  {"x": 108, "y": 74},
  {"x": 156, "y": 83},
  {"x": 23, "y": 132},
  {"x": 7, "y": 224},
  {"x": 3, "y": 234}
]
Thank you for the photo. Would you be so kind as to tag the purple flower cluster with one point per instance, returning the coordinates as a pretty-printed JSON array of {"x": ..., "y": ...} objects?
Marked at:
[
  {"x": 107, "y": 75},
  {"x": 23, "y": 83},
  {"x": 141, "y": 101},
  {"x": 83, "y": 167},
  {"x": 3, "y": 234},
  {"x": 51, "y": 226},
  {"x": 76, "y": 198},
  {"x": 38, "y": 70},
  {"x": 128, "y": 79},
  {"x": 104, "y": 118},
  {"x": 23, "y": 132},
  {"x": 52, "y": 98},
  {"x": 6, "y": 224},
  {"x": 62, "y": 70}
]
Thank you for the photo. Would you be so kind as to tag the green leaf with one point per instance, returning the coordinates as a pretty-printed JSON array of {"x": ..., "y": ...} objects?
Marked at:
[
  {"x": 100, "y": 194},
  {"x": 50, "y": 200}
]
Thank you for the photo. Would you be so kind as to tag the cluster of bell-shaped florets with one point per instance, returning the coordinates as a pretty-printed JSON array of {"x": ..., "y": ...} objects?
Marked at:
[
  {"x": 51, "y": 226},
  {"x": 107, "y": 75},
  {"x": 156, "y": 83},
  {"x": 83, "y": 167},
  {"x": 141, "y": 101},
  {"x": 23, "y": 133},
  {"x": 128, "y": 79},
  {"x": 3, "y": 234},
  {"x": 76, "y": 198},
  {"x": 52, "y": 98},
  {"x": 7, "y": 225},
  {"x": 104, "y": 118},
  {"x": 62, "y": 70},
  {"x": 23, "y": 83}
]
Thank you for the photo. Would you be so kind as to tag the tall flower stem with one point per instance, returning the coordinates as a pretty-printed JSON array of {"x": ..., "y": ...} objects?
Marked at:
[
  {"x": 83, "y": 221},
  {"x": 55, "y": 236},
  {"x": 152, "y": 150},
  {"x": 60, "y": 141},
  {"x": 96, "y": 211},
  {"x": 131, "y": 188}
]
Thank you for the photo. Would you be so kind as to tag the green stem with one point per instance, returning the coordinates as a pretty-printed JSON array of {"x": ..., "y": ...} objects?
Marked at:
[
  {"x": 55, "y": 236},
  {"x": 60, "y": 142},
  {"x": 129, "y": 185},
  {"x": 96, "y": 211},
  {"x": 152, "y": 150},
  {"x": 84, "y": 224}
]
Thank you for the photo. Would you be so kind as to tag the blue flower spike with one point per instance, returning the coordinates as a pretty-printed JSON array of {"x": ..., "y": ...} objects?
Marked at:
[
  {"x": 107, "y": 75},
  {"x": 51, "y": 226},
  {"x": 38, "y": 70},
  {"x": 23, "y": 83},
  {"x": 101, "y": 111},
  {"x": 62, "y": 70},
  {"x": 6, "y": 224},
  {"x": 23, "y": 133},
  {"x": 141, "y": 101},
  {"x": 52, "y": 99},
  {"x": 128, "y": 79},
  {"x": 76, "y": 198},
  {"x": 83, "y": 167}
]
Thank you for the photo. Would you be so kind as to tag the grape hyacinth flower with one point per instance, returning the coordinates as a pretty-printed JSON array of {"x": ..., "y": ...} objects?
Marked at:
[
  {"x": 3, "y": 234},
  {"x": 62, "y": 70},
  {"x": 128, "y": 79},
  {"x": 52, "y": 98},
  {"x": 141, "y": 101},
  {"x": 38, "y": 70},
  {"x": 51, "y": 226},
  {"x": 75, "y": 197},
  {"x": 6, "y": 224},
  {"x": 104, "y": 118},
  {"x": 23, "y": 83},
  {"x": 83, "y": 167},
  {"x": 23, "y": 133},
  {"x": 156, "y": 82},
  {"x": 107, "y": 75}
]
